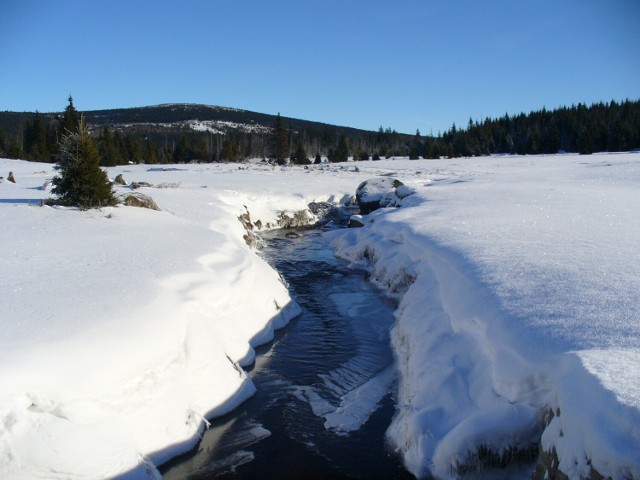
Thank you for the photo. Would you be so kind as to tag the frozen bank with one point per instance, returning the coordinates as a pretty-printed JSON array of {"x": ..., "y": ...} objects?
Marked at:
[{"x": 519, "y": 281}]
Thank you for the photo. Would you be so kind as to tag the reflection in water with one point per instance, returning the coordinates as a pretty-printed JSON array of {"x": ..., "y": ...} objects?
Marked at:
[{"x": 323, "y": 398}]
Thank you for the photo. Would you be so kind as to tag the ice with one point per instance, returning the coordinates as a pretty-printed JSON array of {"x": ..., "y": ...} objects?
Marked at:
[{"x": 357, "y": 405}]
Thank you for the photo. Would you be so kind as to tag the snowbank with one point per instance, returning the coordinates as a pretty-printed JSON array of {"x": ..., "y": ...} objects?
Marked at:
[
  {"x": 122, "y": 329},
  {"x": 519, "y": 280}
]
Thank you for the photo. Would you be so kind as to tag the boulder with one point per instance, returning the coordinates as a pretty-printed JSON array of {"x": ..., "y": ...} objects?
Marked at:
[
  {"x": 135, "y": 185},
  {"x": 11, "y": 178},
  {"x": 380, "y": 192},
  {"x": 120, "y": 180},
  {"x": 139, "y": 200},
  {"x": 355, "y": 221}
]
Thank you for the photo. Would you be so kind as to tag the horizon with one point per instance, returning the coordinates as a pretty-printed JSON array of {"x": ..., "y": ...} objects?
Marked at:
[{"x": 412, "y": 66}]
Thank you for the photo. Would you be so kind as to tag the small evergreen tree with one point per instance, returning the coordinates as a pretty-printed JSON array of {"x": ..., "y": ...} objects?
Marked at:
[
  {"x": 341, "y": 153},
  {"x": 300, "y": 156},
  {"x": 80, "y": 181}
]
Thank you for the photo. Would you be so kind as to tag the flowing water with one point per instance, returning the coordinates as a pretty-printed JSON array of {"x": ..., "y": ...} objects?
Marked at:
[{"x": 324, "y": 385}]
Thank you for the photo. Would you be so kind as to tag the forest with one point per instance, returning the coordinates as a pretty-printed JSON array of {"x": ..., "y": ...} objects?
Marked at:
[{"x": 180, "y": 133}]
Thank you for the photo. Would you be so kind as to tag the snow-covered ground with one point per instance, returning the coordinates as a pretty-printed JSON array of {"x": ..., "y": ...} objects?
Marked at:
[
  {"x": 520, "y": 288},
  {"x": 519, "y": 280}
]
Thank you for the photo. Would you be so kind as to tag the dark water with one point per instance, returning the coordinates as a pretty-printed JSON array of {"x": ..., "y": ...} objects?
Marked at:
[{"x": 325, "y": 384}]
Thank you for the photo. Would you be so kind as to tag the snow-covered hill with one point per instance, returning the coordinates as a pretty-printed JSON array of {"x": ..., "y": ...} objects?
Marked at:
[{"x": 519, "y": 280}]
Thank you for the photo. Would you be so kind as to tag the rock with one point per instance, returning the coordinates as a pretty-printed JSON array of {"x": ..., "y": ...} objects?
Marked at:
[
  {"x": 11, "y": 178},
  {"x": 300, "y": 218},
  {"x": 135, "y": 185},
  {"x": 250, "y": 237},
  {"x": 120, "y": 180},
  {"x": 380, "y": 192},
  {"x": 355, "y": 221},
  {"x": 139, "y": 200},
  {"x": 322, "y": 209}
]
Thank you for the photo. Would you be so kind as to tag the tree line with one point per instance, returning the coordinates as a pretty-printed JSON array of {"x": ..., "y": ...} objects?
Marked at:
[
  {"x": 601, "y": 127},
  {"x": 613, "y": 126}
]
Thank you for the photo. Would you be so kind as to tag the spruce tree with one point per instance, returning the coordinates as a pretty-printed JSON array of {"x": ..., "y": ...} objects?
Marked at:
[
  {"x": 417, "y": 146},
  {"x": 71, "y": 119},
  {"x": 341, "y": 153},
  {"x": 300, "y": 156},
  {"x": 80, "y": 181},
  {"x": 151, "y": 152},
  {"x": 281, "y": 142},
  {"x": 109, "y": 153}
]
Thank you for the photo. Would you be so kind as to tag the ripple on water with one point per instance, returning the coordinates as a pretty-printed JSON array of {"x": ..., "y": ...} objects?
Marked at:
[{"x": 323, "y": 399}]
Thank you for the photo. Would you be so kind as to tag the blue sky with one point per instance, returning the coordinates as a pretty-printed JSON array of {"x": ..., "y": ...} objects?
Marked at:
[{"x": 404, "y": 64}]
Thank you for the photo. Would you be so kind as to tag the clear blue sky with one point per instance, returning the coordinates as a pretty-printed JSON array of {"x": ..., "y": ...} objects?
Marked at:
[{"x": 418, "y": 64}]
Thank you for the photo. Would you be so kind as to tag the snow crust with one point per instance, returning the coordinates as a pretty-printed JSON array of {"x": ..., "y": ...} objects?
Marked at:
[{"x": 122, "y": 329}]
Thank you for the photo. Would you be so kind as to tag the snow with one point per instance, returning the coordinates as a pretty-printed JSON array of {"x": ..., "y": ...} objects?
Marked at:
[
  {"x": 518, "y": 278},
  {"x": 221, "y": 126}
]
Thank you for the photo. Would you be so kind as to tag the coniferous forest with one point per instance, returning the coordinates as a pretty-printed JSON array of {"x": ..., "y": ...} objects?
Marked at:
[{"x": 180, "y": 133}]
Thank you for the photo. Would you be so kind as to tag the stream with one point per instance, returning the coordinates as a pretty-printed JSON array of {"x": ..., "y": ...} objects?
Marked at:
[{"x": 324, "y": 385}]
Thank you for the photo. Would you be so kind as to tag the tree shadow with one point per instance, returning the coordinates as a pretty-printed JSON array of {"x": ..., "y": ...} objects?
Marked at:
[{"x": 22, "y": 201}]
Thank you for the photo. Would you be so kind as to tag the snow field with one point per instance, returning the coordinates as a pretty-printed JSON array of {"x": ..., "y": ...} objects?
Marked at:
[{"x": 518, "y": 281}]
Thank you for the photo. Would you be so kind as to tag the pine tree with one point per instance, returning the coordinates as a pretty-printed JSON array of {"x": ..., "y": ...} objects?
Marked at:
[
  {"x": 341, "y": 153},
  {"x": 300, "y": 156},
  {"x": 229, "y": 150},
  {"x": 80, "y": 181},
  {"x": 281, "y": 142},
  {"x": 3, "y": 142},
  {"x": 182, "y": 152},
  {"x": 416, "y": 146},
  {"x": 151, "y": 152},
  {"x": 71, "y": 120},
  {"x": 109, "y": 153}
]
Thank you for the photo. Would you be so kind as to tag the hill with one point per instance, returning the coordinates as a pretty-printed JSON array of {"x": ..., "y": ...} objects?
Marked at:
[
  {"x": 191, "y": 132},
  {"x": 183, "y": 132}
]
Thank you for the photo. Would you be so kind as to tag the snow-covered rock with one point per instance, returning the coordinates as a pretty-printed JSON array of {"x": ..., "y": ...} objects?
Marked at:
[{"x": 380, "y": 192}]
